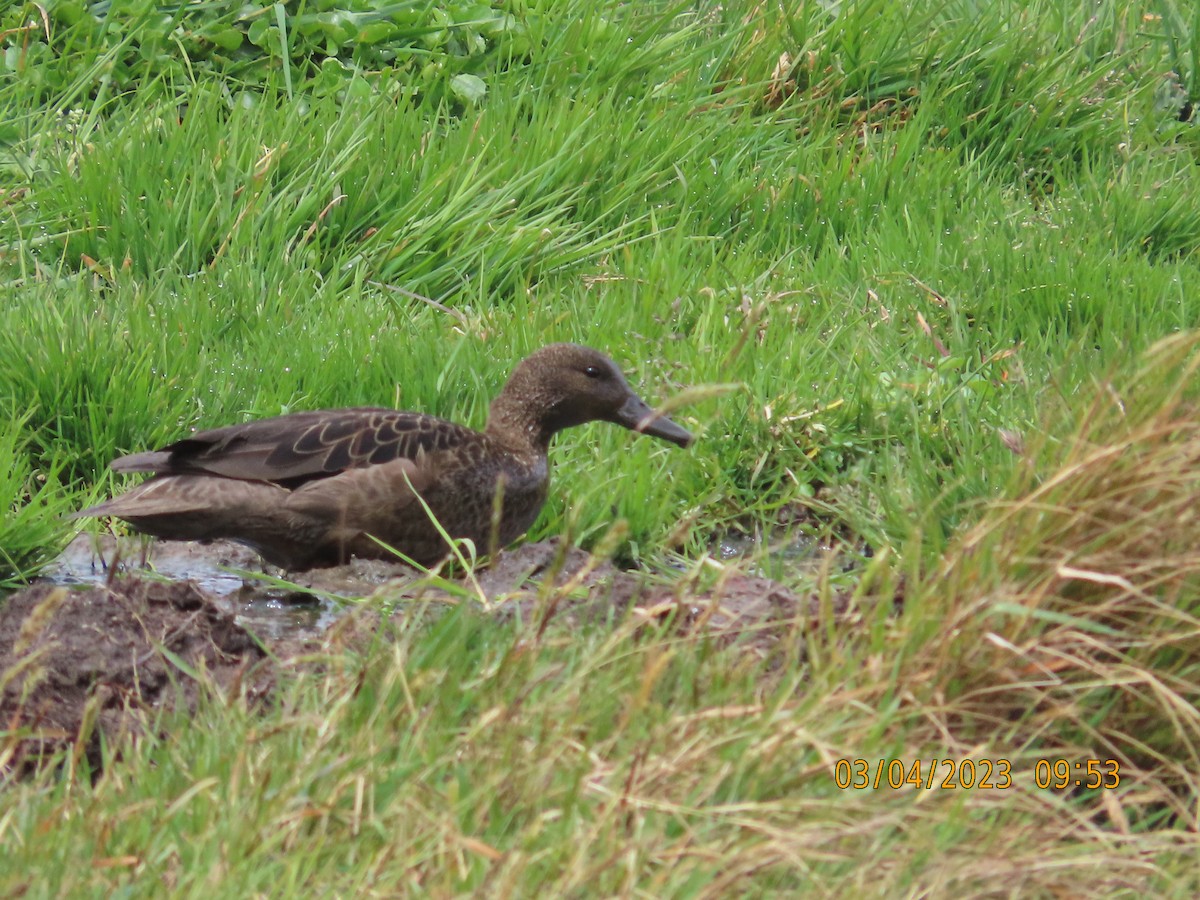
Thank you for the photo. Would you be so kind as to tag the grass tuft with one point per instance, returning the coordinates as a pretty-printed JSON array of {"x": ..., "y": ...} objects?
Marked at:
[{"x": 1067, "y": 616}]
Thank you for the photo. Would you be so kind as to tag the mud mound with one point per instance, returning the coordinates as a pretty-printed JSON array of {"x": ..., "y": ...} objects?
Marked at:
[
  {"x": 76, "y": 664},
  {"x": 544, "y": 581},
  {"x": 547, "y": 581}
]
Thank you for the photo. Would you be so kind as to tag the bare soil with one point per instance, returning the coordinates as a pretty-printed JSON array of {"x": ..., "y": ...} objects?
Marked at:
[{"x": 75, "y": 664}]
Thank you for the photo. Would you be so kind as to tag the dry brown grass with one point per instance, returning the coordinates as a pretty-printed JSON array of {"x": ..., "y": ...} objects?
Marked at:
[
  {"x": 1074, "y": 610},
  {"x": 1064, "y": 625}
]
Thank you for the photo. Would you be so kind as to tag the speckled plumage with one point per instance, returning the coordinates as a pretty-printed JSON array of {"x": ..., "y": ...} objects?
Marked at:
[{"x": 314, "y": 488}]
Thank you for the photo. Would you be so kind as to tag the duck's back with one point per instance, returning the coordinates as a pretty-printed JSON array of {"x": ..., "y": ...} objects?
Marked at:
[{"x": 292, "y": 449}]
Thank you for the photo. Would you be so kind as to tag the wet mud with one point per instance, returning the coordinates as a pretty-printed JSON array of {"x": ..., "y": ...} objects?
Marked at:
[
  {"x": 118, "y": 631},
  {"x": 78, "y": 664}
]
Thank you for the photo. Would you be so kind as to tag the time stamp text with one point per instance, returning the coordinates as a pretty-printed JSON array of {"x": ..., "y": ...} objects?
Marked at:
[{"x": 973, "y": 774}]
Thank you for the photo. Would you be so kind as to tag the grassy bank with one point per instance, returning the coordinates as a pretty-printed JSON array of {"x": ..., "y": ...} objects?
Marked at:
[{"x": 928, "y": 255}]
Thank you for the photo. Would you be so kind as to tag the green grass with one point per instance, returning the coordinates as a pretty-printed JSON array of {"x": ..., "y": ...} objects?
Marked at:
[{"x": 920, "y": 228}]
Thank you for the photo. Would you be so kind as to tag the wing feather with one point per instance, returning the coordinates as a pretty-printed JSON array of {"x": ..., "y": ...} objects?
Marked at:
[{"x": 301, "y": 447}]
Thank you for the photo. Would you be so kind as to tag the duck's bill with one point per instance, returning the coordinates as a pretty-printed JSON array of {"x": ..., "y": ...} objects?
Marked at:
[{"x": 637, "y": 416}]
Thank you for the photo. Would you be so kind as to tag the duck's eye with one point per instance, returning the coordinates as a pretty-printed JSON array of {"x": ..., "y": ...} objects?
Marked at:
[{"x": 593, "y": 372}]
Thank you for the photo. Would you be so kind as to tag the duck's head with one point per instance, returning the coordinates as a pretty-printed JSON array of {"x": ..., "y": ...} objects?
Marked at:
[{"x": 564, "y": 385}]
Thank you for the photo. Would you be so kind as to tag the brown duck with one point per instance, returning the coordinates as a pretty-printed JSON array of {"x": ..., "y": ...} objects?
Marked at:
[{"x": 315, "y": 488}]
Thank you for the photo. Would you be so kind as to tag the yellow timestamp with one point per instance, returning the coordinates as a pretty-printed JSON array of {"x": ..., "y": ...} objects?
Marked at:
[
  {"x": 972, "y": 774},
  {"x": 926, "y": 774},
  {"x": 1086, "y": 773}
]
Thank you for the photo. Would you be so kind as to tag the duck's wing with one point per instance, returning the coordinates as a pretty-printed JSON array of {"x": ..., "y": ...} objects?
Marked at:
[{"x": 293, "y": 449}]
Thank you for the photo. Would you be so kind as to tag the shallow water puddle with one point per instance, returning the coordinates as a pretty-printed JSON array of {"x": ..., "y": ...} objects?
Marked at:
[
  {"x": 272, "y": 611},
  {"x": 90, "y": 559},
  {"x": 785, "y": 554}
]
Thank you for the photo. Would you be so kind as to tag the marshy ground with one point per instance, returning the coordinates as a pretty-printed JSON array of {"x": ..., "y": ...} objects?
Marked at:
[{"x": 119, "y": 631}]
